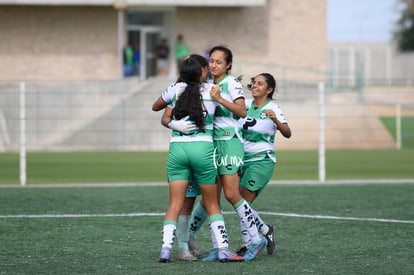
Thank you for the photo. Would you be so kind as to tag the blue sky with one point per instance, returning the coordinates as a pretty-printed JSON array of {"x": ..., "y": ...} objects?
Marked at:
[{"x": 361, "y": 20}]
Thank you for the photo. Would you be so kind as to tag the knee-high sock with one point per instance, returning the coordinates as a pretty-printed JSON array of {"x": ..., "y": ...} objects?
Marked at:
[
  {"x": 261, "y": 225},
  {"x": 245, "y": 213},
  {"x": 182, "y": 231},
  {"x": 218, "y": 231},
  {"x": 213, "y": 237},
  {"x": 245, "y": 237},
  {"x": 168, "y": 233},
  {"x": 198, "y": 217}
]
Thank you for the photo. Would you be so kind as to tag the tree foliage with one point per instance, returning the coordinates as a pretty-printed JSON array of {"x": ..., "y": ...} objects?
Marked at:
[{"x": 404, "y": 33}]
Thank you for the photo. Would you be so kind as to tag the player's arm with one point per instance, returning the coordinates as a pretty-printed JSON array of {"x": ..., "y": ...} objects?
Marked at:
[
  {"x": 166, "y": 117},
  {"x": 159, "y": 104},
  {"x": 283, "y": 127},
  {"x": 184, "y": 126},
  {"x": 165, "y": 98},
  {"x": 237, "y": 107}
]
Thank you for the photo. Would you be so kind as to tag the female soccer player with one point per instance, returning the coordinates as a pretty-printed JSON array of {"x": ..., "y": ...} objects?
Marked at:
[
  {"x": 264, "y": 118},
  {"x": 193, "y": 191},
  {"x": 228, "y": 149}
]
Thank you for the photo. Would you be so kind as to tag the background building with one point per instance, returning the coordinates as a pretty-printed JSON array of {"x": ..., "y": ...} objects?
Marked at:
[
  {"x": 374, "y": 63},
  {"x": 83, "y": 40}
]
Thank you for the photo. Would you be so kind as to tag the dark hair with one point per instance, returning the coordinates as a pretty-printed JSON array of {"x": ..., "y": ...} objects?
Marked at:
[
  {"x": 189, "y": 103},
  {"x": 270, "y": 81},
  {"x": 201, "y": 59},
  {"x": 227, "y": 52}
]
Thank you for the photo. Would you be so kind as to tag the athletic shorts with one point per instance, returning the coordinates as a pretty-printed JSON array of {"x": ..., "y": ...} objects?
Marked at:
[
  {"x": 228, "y": 156},
  {"x": 191, "y": 158},
  {"x": 255, "y": 175}
]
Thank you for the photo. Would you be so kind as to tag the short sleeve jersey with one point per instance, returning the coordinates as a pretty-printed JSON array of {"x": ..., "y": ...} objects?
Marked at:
[
  {"x": 170, "y": 96},
  {"x": 258, "y": 130},
  {"x": 225, "y": 122}
]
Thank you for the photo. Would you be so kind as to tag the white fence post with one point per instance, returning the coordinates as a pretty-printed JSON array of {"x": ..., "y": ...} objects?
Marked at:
[
  {"x": 22, "y": 161},
  {"x": 5, "y": 137},
  {"x": 398, "y": 126},
  {"x": 321, "y": 152}
]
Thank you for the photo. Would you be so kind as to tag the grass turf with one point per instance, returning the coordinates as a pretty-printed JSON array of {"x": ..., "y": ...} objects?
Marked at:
[
  {"x": 104, "y": 167},
  {"x": 407, "y": 129},
  {"x": 130, "y": 245}
]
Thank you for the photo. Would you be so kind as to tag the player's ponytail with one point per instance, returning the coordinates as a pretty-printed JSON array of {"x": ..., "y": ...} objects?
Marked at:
[{"x": 189, "y": 103}]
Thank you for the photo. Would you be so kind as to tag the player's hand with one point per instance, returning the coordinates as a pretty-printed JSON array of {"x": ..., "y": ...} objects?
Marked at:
[
  {"x": 270, "y": 114},
  {"x": 183, "y": 125},
  {"x": 215, "y": 93}
]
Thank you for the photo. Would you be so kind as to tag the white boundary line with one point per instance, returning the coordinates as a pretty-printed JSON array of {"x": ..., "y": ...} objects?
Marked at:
[
  {"x": 336, "y": 217},
  {"x": 294, "y": 215},
  {"x": 273, "y": 182}
]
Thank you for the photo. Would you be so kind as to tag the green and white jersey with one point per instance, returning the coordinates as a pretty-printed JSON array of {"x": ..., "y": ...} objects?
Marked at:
[
  {"x": 259, "y": 131},
  {"x": 225, "y": 122},
  {"x": 170, "y": 96}
]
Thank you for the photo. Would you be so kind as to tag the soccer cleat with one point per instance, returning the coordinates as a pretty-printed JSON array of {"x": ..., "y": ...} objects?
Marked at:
[
  {"x": 185, "y": 255},
  {"x": 270, "y": 238},
  {"x": 242, "y": 251},
  {"x": 213, "y": 256},
  {"x": 165, "y": 255},
  {"x": 254, "y": 249},
  {"x": 225, "y": 255},
  {"x": 194, "y": 249}
]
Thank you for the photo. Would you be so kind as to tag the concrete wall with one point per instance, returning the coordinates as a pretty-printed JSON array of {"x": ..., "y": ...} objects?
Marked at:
[
  {"x": 52, "y": 42},
  {"x": 284, "y": 35},
  {"x": 286, "y": 38}
]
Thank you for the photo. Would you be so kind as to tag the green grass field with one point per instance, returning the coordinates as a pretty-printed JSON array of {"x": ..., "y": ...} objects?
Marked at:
[
  {"x": 320, "y": 229},
  {"x": 407, "y": 129},
  {"x": 109, "y": 167}
]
